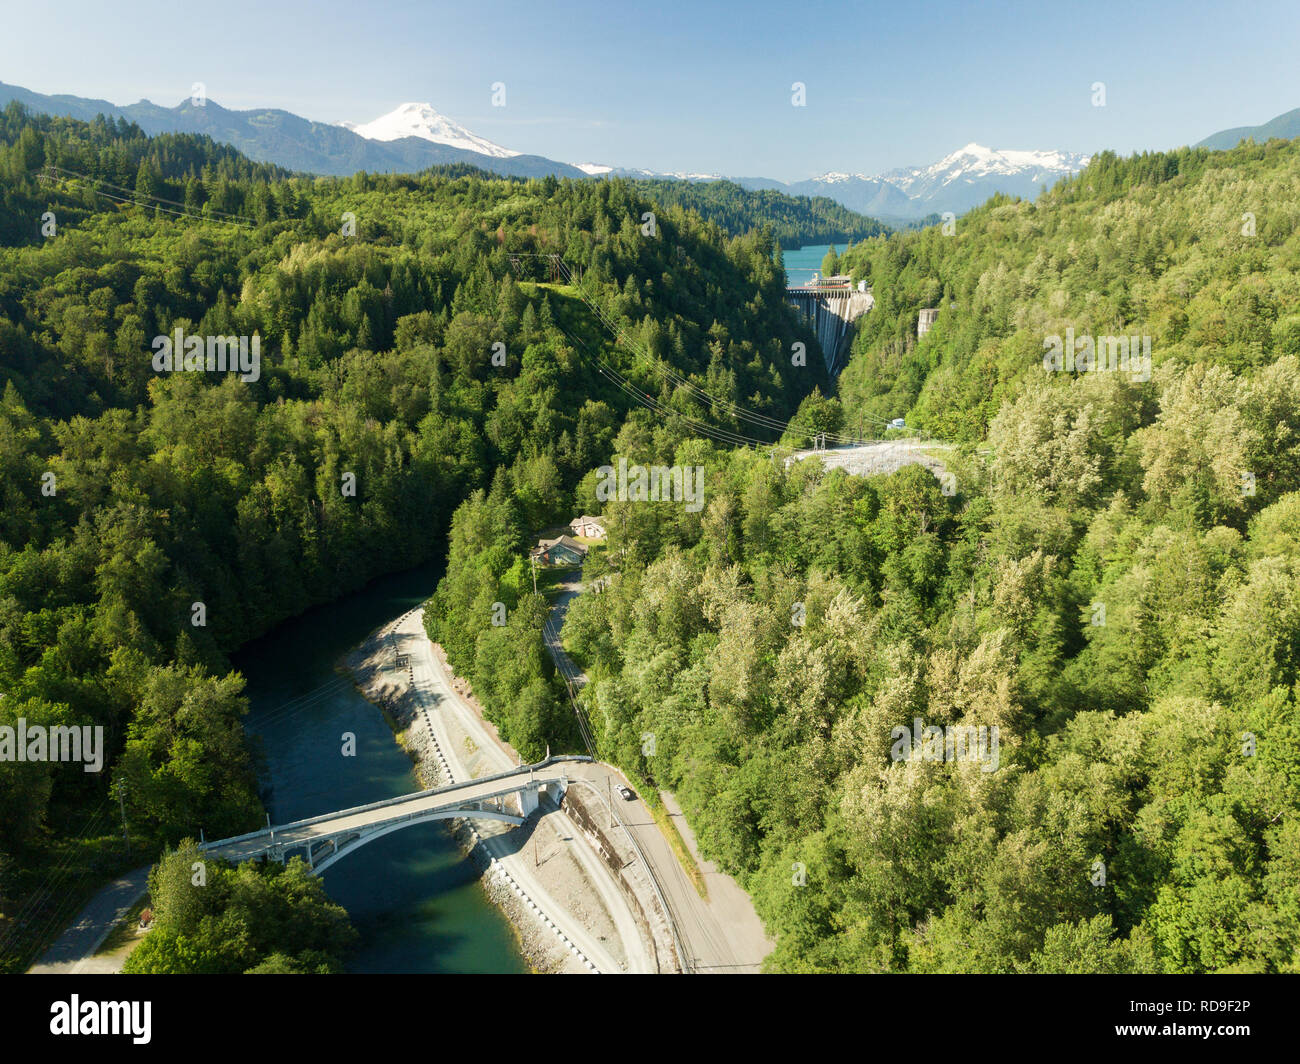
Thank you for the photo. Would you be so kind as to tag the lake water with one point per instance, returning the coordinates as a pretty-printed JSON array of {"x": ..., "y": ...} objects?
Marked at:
[{"x": 803, "y": 262}]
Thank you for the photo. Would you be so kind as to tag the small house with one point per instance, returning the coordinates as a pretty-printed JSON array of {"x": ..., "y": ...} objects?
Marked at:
[
  {"x": 563, "y": 550},
  {"x": 587, "y": 526}
]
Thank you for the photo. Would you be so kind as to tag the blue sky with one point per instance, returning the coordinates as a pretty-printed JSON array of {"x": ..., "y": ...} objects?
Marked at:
[{"x": 697, "y": 85}]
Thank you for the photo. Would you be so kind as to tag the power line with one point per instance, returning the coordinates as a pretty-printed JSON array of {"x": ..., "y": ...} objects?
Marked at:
[
  {"x": 645, "y": 399},
  {"x": 303, "y": 702},
  {"x": 723, "y": 435},
  {"x": 53, "y": 880},
  {"x": 761, "y": 420},
  {"x": 136, "y": 192},
  {"x": 232, "y": 219}
]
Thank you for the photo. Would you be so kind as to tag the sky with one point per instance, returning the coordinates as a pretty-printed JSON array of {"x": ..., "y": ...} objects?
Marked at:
[{"x": 697, "y": 86}]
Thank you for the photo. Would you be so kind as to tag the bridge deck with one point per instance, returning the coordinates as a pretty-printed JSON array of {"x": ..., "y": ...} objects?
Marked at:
[{"x": 299, "y": 833}]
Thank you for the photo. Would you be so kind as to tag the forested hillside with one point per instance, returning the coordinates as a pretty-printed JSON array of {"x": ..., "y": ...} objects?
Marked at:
[
  {"x": 794, "y": 220},
  {"x": 1114, "y": 586},
  {"x": 413, "y": 351},
  {"x": 259, "y": 918},
  {"x": 1195, "y": 249},
  {"x": 1114, "y": 583}
]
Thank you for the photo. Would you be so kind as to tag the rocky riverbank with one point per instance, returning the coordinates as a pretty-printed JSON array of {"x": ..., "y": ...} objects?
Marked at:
[{"x": 387, "y": 679}]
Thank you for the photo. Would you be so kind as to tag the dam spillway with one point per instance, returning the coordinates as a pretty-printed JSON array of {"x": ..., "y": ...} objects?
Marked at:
[{"x": 829, "y": 312}]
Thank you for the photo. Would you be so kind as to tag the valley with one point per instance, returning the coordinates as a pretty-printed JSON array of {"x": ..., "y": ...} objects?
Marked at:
[{"x": 423, "y": 556}]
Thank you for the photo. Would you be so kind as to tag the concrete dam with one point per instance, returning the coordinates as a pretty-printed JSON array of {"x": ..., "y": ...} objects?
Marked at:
[{"x": 830, "y": 310}]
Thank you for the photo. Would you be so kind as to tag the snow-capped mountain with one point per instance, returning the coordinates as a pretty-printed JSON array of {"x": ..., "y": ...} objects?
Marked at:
[
  {"x": 834, "y": 177},
  {"x": 858, "y": 192},
  {"x": 687, "y": 175},
  {"x": 415, "y": 136},
  {"x": 971, "y": 174},
  {"x": 658, "y": 175},
  {"x": 957, "y": 182},
  {"x": 421, "y": 120}
]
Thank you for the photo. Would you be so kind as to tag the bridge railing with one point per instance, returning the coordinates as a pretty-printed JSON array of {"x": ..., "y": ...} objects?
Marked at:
[{"x": 451, "y": 788}]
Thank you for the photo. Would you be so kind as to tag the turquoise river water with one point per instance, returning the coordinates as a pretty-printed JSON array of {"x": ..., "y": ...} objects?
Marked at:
[{"x": 416, "y": 900}]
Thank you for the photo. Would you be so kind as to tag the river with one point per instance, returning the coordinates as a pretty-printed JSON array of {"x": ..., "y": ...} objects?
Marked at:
[{"x": 416, "y": 900}]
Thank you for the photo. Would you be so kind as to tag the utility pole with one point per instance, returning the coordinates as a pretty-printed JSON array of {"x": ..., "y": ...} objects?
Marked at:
[
  {"x": 121, "y": 801},
  {"x": 532, "y": 564}
]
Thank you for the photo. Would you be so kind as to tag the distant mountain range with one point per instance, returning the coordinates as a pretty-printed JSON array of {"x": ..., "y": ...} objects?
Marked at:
[
  {"x": 956, "y": 183},
  {"x": 1285, "y": 126},
  {"x": 275, "y": 136},
  {"x": 866, "y": 195},
  {"x": 415, "y": 136}
]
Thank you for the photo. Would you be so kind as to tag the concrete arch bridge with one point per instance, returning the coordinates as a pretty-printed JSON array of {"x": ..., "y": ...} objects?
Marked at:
[{"x": 322, "y": 840}]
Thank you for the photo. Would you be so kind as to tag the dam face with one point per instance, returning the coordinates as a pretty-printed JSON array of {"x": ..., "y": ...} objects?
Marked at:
[{"x": 830, "y": 312}]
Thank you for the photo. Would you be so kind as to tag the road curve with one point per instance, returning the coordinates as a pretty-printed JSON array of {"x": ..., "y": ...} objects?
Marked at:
[{"x": 723, "y": 934}]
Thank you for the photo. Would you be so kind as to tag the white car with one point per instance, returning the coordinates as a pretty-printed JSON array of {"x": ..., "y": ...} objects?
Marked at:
[{"x": 626, "y": 794}]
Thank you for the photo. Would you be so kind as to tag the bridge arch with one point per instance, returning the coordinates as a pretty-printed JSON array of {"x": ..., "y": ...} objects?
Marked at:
[
  {"x": 325, "y": 839},
  {"x": 356, "y": 840}
]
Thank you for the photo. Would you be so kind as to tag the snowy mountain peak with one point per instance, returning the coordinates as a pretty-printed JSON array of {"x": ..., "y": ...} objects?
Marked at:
[
  {"x": 973, "y": 172},
  {"x": 421, "y": 120},
  {"x": 637, "y": 172},
  {"x": 975, "y": 160},
  {"x": 835, "y": 177}
]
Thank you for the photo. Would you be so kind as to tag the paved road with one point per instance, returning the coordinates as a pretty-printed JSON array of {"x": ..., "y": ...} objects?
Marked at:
[
  {"x": 714, "y": 937},
  {"x": 73, "y": 951},
  {"x": 723, "y": 934},
  {"x": 574, "y": 676}
]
